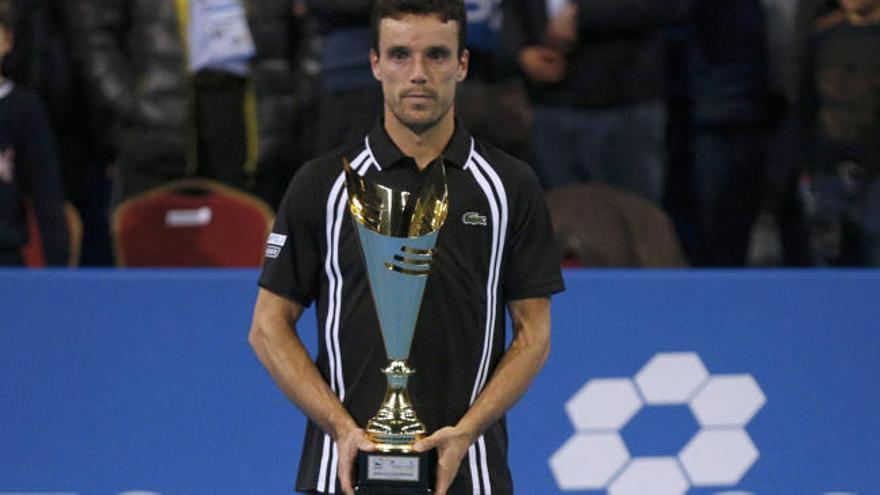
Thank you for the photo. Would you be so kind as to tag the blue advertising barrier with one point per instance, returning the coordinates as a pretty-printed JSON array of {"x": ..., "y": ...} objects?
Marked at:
[{"x": 697, "y": 382}]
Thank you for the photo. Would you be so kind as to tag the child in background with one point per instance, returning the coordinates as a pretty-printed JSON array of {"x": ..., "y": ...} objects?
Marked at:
[
  {"x": 28, "y": 167},
  {"x": 839, "y": 113}
]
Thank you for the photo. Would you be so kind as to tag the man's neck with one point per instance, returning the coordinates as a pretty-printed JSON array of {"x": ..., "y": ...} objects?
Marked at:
[{"x": 424, "y": 147}]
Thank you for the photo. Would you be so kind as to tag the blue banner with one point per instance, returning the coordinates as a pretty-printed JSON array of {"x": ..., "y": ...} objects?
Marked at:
[{"x": 660, "y": 382}]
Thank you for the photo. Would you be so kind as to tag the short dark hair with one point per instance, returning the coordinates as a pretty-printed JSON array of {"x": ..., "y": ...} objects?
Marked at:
[{"x": 447, "y": 10}]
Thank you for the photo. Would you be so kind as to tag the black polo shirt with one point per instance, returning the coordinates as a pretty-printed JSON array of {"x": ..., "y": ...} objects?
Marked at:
[{"x": 496, "y": 245}]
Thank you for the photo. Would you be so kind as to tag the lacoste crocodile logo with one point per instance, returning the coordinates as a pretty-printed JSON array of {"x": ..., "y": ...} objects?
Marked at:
[{"x": 473, "y": 218}]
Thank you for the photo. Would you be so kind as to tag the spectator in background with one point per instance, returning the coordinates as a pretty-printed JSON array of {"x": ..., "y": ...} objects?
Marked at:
[
  {"x": 839, "y": 118},
  {"x": 193, "y": 88},
  {"x": 595, "y": 73},
  {"x": 805, "y": 15},
  {"x": 42, "y": 60},
  {"x": 349, "y": 98},
  {"x": 780, "y": 235},
  {"x": 724, "y": 122},
  {"x": 492, "y": 102},
  {"x": 28, "y": 168}
]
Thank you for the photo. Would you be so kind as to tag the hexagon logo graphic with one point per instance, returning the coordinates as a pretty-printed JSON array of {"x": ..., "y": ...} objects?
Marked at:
[
  {"x": 604, "y": 404},
  {"x": 728, "y": 400},
  {"x": 671, "y": 378},
  {"x": 588, "y": 461},
  {"x": 660, "y": 475},
  {"x": 719, "y": 454},
  {"x": 718, "y": 457}
]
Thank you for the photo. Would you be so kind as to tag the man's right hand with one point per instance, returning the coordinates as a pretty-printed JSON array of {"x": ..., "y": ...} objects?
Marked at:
[
  {"x": 542, "y": 64},
  {"x": 349, "y": 443}
]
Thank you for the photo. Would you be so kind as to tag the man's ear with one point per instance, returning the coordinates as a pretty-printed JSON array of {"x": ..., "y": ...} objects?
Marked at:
[
  {"x": 463, "y": 62},
  {"x": 374, "y": 64}
]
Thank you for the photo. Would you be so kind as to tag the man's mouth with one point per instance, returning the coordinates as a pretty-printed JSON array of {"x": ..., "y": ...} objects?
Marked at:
[{"x": 419, "y": 96}]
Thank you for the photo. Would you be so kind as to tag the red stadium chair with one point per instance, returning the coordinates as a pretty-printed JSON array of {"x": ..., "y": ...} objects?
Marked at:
[
  {"x": 602, "y": 226},
  {"x": 33, "y": 253},
  {"x": 191, "y": 223}
]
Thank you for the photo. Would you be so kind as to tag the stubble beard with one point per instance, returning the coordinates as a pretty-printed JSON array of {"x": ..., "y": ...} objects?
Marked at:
[{"x": 419, "y": 126}]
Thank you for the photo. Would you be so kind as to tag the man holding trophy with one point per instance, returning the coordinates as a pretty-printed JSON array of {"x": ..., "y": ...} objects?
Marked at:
[{"x": 412, "y": 244}]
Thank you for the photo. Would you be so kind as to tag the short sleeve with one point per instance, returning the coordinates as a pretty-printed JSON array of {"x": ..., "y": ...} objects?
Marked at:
[
  {"x": 291, "y": 266},
  {"x": 533, "y": 259}
]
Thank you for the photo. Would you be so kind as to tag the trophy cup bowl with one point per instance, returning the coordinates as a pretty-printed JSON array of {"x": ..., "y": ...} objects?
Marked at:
[{"x": 397, "y": 231}]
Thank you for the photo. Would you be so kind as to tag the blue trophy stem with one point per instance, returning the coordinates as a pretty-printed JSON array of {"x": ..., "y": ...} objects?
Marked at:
[{"x": 397, "y": 268}]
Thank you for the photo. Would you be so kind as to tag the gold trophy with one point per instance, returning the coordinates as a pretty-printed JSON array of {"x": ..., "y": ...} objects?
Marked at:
[{"x": 397, "y": 232}]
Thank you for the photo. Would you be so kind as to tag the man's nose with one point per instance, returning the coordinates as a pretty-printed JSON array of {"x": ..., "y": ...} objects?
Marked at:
[{"x": 419, "y": 73}]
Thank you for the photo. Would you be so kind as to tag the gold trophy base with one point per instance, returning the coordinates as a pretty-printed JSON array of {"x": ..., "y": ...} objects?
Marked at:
[
  {"x": 396, "y": 468},
  {"x": 395, "y": 427}
]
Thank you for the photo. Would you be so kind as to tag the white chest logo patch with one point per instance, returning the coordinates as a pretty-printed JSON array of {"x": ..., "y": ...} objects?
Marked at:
[{"x": 474, "y": 218}]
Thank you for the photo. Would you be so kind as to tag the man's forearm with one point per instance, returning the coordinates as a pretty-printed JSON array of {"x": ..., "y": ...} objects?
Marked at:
[
  {"x": 518, "y": 367},
  {"x": 276, "y": 344}
]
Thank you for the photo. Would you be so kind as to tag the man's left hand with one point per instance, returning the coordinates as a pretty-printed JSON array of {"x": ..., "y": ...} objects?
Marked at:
[
  {"x": 349, "y": 444},
  {"x": 452, "y": 444}
]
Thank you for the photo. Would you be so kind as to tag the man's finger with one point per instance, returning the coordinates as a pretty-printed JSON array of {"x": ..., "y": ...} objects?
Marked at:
[
  {"x": 345, "y": 478},
  {"x": 365, "y": 444},
  {"x": 430, "y": 441},
  {"x": 425, "y": 444},
  {"x": 345, "y": 462},
  {"x": 444, "y": 479}
]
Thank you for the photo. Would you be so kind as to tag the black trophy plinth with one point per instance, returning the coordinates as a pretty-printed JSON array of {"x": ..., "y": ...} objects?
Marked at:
[{"x": 387, "y": 473}]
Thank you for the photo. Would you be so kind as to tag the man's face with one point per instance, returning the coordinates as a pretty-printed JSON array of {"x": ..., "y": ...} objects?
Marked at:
[{"x": 419, "y": 68}]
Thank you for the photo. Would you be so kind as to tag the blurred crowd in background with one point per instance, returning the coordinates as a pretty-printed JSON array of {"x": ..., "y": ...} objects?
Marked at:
[{"x": 751, "y": 126}]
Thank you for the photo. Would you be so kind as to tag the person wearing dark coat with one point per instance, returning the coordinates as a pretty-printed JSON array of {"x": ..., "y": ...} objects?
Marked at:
[
  {"x": 595, "y": 74},
  {"x": 28, "y": 168},
  {"x": 192, "y": 88},
  {"x": 721, "y": 126}
]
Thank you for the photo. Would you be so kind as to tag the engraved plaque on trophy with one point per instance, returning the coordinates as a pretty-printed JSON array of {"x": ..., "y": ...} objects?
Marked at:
[{"x": 397, "y": 232}]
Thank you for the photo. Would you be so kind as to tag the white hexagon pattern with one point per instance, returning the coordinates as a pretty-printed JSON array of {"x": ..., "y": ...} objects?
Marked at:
[
  {"x": 728, "y": 400},
  {"x": 587, "y": 461},
  {"x": 604, "y": 404},
  {"x": 718, "y": 457},
  {"x": 650, "y": 476},
  {"x": 671, "y": 378}
]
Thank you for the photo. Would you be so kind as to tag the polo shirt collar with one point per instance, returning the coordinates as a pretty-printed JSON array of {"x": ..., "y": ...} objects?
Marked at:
[{"x": 389, "y": 155}]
